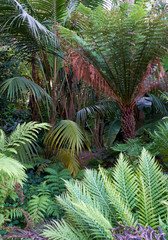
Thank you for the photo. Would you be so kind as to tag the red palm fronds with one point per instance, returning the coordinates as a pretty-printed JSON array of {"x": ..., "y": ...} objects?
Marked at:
[
  {"x": 82, "y": 69},
  {"x": 154, "y": 78}
]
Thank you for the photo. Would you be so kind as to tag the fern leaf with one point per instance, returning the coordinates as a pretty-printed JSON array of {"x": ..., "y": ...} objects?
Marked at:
[
  {"x": 154, "y": 185},
  {"x": 63, "y": 231},
  {"x": 125, "y": 181},
  {"x": 124, "y": 212},
  {"x": 94, "y": 182},
  {"x": 12, "y": 169},
  {"x": 37, "y": 206},
  {"x": 23, "y": 140}
]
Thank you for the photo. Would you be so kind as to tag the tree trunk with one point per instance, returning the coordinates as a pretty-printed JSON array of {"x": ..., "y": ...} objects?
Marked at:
[{"x": 128, "y": 122}]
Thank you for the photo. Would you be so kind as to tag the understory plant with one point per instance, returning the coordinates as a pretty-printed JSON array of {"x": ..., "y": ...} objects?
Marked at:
[
  {"x": 19, "y": 146},
  {"x": 103, "y": 198}
]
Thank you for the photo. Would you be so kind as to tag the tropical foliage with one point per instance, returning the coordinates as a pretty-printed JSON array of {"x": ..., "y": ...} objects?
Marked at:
[
  {"x": 95, "y": 205},
  {"x": 75, "y": 77},
  {"x": 124, "y": 65}
]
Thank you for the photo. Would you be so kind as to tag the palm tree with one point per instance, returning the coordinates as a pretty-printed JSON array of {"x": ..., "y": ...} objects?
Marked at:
[
  {"x": 28, "y": 28},
  {"x": 119, "y": 50}
]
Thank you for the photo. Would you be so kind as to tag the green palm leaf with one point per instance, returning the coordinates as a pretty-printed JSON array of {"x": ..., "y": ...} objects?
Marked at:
[
  {"x": 20, "y": 87},
  {"x": 67, "y": 134}
]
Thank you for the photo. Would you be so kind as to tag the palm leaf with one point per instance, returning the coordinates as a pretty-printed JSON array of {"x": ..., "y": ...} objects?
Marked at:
[
  {"x": 67, "y": 134},
  {"x": 20, "y": 87}
]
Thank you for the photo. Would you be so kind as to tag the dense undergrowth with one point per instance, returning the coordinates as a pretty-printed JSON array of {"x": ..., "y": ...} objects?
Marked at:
[{"x": 83, "y": 120}]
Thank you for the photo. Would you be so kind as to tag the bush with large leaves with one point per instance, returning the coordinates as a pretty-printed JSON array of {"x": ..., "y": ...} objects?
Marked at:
[{"x": 95, "y": 205}]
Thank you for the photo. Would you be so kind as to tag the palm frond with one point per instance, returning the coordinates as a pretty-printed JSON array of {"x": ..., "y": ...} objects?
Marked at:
[
  {"x": 70, "y": 160},
  {"x": 17, "y": 17},
  {"x": 20, "y": 87},
  {"x": 67, "y": 134}
]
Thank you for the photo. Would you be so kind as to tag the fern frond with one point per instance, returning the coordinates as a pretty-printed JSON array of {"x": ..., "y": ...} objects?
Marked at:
[
  {"x": 3, "y": 140},
  {"x": 22, "y": 141},
  {"x": 63, "y": 231},
  {"x": 125, "y": 181},
  {"x": 94, "y": 183},
  {"x": 124, "y": 212},
  {"x": 11, "y": 170},
  {"x": 55, "y": 180},
  {"x": 13, "y": 213},
  {"x": 153, "y": 184},
  {"x": 37, "y": 206},
  {"x": 96, "y": 218},
  {"x": 146, "y": 215}
]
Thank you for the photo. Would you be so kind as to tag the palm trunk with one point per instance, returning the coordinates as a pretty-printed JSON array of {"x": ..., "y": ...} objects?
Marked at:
[{"x": 128, "y": 122}]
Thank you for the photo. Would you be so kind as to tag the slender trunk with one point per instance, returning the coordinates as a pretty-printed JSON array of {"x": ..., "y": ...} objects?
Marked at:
[{"x": 128, "y": 122}]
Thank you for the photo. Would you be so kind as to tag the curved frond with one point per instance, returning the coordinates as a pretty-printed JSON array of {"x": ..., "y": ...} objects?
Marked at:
[
  {"x": 11, "y": 170},
  {"x": 124, "y": 212},
  {"x": 94, "y": 182},
  {"x": 62, "y": 231},
  {"x": 69, "y": 160},
  {"x": 22, "y": 141},
  {"x": 67, "y": 134},
  {"x": 17, "y": 16},
  {"x": 18, "y": 87}
]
